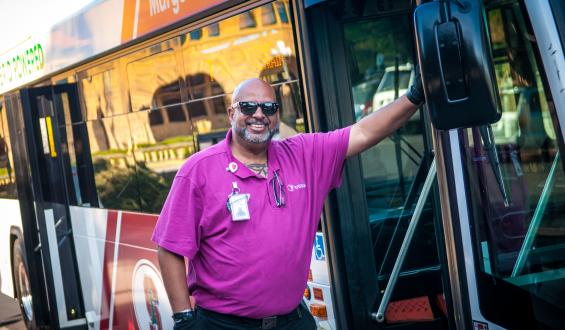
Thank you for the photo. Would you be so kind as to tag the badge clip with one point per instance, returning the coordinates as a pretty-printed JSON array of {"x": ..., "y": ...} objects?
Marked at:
[
  {"x": 232, "y": 167},
  {"x": 237, "y": 204}
]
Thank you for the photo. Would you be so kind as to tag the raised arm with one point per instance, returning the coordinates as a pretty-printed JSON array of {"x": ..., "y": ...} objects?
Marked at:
[{"x": 375, "y": 127}]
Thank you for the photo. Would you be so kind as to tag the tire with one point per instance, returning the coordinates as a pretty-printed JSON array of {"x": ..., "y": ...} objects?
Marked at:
[{"x": 22, "y": 285}]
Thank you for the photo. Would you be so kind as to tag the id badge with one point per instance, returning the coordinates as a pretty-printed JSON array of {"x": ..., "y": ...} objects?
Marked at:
[{"x": 238, "y": 207}]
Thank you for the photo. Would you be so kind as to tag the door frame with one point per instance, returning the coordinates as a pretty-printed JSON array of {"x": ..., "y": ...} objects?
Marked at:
[
  {"x": 35, "y": 225},
  {"x": 352, "y": 270}
]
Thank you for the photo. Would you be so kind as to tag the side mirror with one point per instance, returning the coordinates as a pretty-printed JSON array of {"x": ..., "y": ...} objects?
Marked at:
[{"x": 456, "y": 64}]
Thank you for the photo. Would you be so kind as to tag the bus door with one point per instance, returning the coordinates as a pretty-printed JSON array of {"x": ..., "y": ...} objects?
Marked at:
[
  {"x": 365, "y": 59},
  {"x": 45, "y": 109},
  {"x": 508, "y": 222}
]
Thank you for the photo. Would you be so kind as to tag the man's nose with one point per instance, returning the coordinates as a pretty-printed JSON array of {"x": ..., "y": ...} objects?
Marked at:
[{"x": 259, "y": 112}]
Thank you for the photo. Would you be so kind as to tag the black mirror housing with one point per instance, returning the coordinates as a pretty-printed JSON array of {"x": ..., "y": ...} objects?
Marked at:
[{"x": 456, "y": 64}]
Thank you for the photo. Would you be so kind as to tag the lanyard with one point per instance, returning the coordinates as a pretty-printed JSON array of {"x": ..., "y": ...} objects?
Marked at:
[{"x": 277, "y": 186}]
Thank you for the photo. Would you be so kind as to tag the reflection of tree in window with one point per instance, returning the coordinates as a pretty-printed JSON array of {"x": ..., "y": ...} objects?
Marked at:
[
  {"x": 370, "y": 56},
  {"x": 268, "y": 14},
  {"x": 247, "y": 20}
]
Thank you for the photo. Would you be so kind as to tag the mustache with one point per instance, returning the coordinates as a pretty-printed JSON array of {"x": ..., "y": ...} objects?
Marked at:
[{"x": 257, "y": 121}]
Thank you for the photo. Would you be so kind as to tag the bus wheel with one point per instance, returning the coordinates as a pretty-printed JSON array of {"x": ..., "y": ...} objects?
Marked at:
[{"x": 23, "y": 288}]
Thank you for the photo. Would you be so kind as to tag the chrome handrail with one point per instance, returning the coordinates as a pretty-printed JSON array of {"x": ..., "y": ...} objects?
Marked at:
[{"x": 379, "y": 316}]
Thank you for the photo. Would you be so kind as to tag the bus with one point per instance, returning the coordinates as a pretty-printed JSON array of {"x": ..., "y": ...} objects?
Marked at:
[{"x": 430, "y": 229}]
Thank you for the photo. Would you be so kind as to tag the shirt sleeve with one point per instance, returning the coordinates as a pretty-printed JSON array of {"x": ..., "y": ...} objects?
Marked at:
[
  {"x": 178, "y": 226},
  {"x": 329, "y": 151}
]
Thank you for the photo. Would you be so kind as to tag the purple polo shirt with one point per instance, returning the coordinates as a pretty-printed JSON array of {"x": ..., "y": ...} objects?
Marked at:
[{"x": 258, "y": 267}]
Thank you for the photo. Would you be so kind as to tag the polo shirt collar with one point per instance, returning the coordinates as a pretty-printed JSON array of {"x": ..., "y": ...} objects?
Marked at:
[{"x": 242, "y": 170}]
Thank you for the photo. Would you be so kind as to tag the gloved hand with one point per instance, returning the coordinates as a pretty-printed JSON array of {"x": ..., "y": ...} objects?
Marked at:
[{"x": 415, "y": 92}]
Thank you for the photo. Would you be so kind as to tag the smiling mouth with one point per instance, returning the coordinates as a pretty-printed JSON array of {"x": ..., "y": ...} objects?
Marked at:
[{"x": 257, "y": 126}]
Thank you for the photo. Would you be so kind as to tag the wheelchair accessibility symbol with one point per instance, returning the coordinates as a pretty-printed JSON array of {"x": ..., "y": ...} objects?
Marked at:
[{"x": 319, "y": 250}]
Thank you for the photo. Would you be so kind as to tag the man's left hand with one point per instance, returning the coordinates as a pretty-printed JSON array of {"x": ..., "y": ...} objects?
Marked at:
[{"x": 415, "y": 92}]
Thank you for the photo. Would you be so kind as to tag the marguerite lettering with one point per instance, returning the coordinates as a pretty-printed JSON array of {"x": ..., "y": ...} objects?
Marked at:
[{"x": 159, "y": 6}]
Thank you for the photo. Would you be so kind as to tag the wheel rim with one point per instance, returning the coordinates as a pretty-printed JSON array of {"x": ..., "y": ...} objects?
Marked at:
[{"x": 25, "y": 292}]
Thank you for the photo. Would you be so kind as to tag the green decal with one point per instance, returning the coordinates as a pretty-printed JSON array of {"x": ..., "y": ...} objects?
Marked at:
[{"x": 24, "y": 63}]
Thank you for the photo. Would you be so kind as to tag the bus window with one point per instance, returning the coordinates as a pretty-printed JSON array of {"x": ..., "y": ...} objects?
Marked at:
[
  {"x": 381, "y": 69},
  {"x": 519, "y": 212},
  {"x": 161, "y": 131},
  {"x": 103, "y": 138},
  {"x": 113, "y": 163},
  {"x": 159, "y": 152},
  {"x": 7, "y": 175},
  {"x": 214, "y": 66},
  {"x": 75, "y": 157}
]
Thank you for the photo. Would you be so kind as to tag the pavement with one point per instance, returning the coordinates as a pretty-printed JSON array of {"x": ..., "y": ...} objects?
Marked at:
[{"x": 10, "y": 317}]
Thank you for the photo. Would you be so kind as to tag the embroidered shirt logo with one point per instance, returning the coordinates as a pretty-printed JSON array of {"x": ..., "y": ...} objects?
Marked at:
[{"x": 293, "y": 187}]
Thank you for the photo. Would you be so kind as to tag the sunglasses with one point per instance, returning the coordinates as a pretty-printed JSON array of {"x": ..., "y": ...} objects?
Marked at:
[{"x": 248, "y": 108}]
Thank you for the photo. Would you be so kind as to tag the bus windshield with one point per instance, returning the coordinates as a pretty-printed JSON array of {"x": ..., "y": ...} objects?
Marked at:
[{"x": 520, "y": 237}]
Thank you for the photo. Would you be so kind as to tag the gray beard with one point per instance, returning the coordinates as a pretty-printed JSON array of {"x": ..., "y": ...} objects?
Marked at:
[{"x": 243, "y": 133}]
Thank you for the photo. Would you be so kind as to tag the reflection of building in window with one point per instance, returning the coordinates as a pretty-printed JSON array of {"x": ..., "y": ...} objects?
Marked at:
[
  {"x": 213, "y": 30},
  {"x": 155, "y": 117},
  {"x": 154, "y": 84},
  {"x": 243, "y": 48},
  {"x": 170, "y": 117},
  {"x": 207, "y": 103},
  {"x": 148, "y": 75},
  {"x": 196, "y": 34},
  {"x": 268, "y": 14},
  {"x": 247, "y": 20},
  {"x": 278, "y": 71},
  {"x": 101, "y": 99},
  {"x": 281, "y": 9}
]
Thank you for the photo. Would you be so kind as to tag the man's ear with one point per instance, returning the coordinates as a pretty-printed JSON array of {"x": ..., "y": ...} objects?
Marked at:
[{"x": 230, "y": 113}]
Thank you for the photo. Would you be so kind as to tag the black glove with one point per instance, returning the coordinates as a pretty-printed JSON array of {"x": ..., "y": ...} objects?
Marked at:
[{"x": 415, "y": 92}]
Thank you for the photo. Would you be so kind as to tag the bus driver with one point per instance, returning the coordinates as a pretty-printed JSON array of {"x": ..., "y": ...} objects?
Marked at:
[{"x": 244, "y": 212}]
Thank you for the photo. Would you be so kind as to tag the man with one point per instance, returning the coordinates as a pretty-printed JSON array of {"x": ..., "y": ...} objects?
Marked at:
[{"x": 245, "y": 211}]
